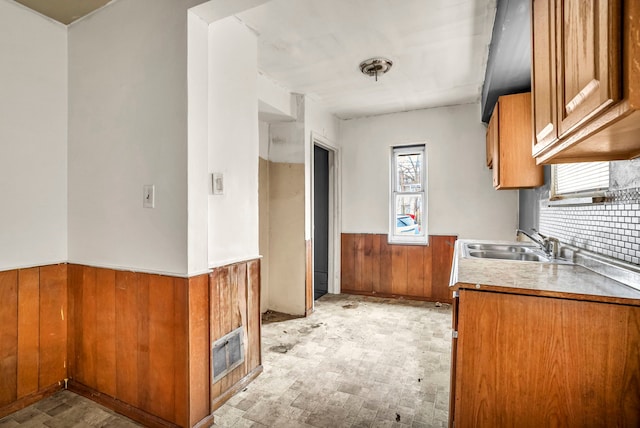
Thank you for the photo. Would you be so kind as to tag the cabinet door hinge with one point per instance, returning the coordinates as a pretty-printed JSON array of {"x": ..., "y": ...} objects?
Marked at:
[
  {"x": 456, "y": 294},
  {"x": 454, "y": 334}
]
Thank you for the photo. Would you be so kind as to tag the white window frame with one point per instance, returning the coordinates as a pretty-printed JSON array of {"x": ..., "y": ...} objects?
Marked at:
[
  {"x": 423, "y": 238},
  {"x": 584, "y": 194}
]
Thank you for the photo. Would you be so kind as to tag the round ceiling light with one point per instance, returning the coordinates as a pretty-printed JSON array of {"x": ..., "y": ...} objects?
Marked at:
[{"x": 375, "y": 66}]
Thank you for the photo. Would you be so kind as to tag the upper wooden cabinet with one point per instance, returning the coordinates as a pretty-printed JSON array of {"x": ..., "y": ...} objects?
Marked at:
[
  {"x": 509, "y": 144},
  {"x": 585, "y": 80}
]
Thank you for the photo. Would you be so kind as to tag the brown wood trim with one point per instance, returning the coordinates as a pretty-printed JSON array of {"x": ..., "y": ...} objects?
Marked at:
[
  {"x": 395, "y": 296},
  {"x": 308, "y": 283},
  {"x": 139, "y": 415},
  {"x": 28, "y": 400},
  {"x": 547, "y": 293},
  {"x": 205, "y": 422},
  {"x": 238, "y": 386}
]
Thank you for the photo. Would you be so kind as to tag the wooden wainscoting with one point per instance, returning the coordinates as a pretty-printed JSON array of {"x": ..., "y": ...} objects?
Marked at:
[
  {"x": 372, "y": 266},
  {"x": 33, "y": 335},
  {"x": 131, "y": 336},
  {"x": 308, "y": 278},
  {"x": 235, "y": 302}
]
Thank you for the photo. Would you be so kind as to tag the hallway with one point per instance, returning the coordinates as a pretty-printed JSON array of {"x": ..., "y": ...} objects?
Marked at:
[{"x": 356, "y": 362}]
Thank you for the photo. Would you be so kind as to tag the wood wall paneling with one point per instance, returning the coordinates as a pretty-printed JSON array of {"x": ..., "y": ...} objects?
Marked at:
[
  {"x": 105, "y": 350},
  {"x": 235, "y": 302},
  {"x": 8, "y": 336},
  {"x": 53, "y": 325},
  {"x": 371, "y": 266},
  {"x": 308, "y": 286},
  {"x": 28, "y": 331},
  {"x": 127, "y": 331},
  {"x": 33, "y": 335},
  {"x": 199, "y": 349}
]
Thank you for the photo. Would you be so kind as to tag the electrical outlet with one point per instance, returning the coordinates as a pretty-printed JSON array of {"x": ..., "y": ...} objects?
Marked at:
[{"x": 149, "y": 196}]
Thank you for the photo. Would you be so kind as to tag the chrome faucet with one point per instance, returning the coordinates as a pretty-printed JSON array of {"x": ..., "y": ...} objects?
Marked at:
[{"x": 548, "y": 244}]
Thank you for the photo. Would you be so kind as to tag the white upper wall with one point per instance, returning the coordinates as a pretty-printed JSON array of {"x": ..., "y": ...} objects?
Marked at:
[
  {"x": 320, "y": 124},
  {"x": 461, "y": 198},
  {"x": 128, "y": 128},
  {"x": 33, "y": 133},
  {"x": 233, "y": 141}
]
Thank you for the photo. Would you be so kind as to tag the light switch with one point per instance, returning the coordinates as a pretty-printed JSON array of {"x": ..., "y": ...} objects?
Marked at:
[
  {"x": 149, "y": 196},
  {"x": 217, "y": 182}
]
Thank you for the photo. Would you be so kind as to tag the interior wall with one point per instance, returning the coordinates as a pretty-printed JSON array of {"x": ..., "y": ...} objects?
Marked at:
[
  {"x": 264, "y": 214},
  {"x": 461, "y": 198},
  {"x": 199, "y": 182},
  {"x": 287, "y": 214},
  {"x": 33, "y": 152},
  {"x": 233, "y": 142},
  {"x": 128, "y": 128}
]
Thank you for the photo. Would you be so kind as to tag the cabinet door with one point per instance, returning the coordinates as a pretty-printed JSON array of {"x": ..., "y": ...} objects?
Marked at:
[
  {"x": 491, "y": 134},
  {"x": 588, "y": 59},
  {"x": 543, "y": 74},
  {"x": 493, "y": 143}
]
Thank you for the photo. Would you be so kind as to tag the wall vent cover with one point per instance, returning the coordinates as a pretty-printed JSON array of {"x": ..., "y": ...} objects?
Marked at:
[{"x": 228, "y": 353}]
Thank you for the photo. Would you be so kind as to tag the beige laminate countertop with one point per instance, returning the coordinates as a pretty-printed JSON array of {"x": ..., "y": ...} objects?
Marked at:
[{"x": 535, "y": 278}]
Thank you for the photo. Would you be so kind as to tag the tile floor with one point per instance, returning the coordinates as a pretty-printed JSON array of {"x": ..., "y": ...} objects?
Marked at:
[{"x": 356, "y": 362}]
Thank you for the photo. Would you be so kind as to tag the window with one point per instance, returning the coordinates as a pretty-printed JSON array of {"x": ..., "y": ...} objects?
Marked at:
[
  {"x": 408, "y": 196},
  {"x": 575, "y": 180}
]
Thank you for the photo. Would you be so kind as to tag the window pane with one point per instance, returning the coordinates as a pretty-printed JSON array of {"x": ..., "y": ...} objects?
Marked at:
[
  {"x": 581, "y": 177},
  {"x": 409, "y": 172},
  {"x": 409, "y": 215}
]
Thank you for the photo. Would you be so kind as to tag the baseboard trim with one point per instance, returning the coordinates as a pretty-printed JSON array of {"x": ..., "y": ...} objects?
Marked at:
[
  {"x": 138, "y": 415},
  {"x": 207, "y": 422},
  {"x": 395, "y": 296},
  {"x": 28, "y": 400},
  {"x": 241, "y": 384}
]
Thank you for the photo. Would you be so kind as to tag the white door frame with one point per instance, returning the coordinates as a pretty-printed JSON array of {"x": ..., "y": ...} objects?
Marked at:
[{"x": 334, "y": 210}]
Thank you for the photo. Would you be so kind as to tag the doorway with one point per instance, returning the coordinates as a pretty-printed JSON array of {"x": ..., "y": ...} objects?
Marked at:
[{"x": 320, "y": 222}]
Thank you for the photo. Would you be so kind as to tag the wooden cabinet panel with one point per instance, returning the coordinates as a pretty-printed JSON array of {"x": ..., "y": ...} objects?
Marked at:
[
  {"x": 543, "y": 74},
  {"x": 588, "y": 59},
  {"x": 585, "y": 80},
  {"x": 371, "y": 266},
  {"x": 510, "y": 137},
  {"x": 533, "y": 361}
]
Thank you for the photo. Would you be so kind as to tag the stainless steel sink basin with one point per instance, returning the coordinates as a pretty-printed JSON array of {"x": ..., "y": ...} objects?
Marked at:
[
  {"x": 507, "y": 248},
  {"x": 509, "y": 255}
]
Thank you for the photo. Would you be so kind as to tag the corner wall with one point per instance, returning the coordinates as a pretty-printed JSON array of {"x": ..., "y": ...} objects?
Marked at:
[
  {"x": 461, "y": 198},
  {"x": 128, "y": 128},
  {"x": 33, "y": 132},
  {"x": 233, "y": 142}
]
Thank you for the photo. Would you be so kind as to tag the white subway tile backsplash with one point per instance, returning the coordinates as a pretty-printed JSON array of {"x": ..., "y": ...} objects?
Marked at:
[{"x": 611, "y": 229}]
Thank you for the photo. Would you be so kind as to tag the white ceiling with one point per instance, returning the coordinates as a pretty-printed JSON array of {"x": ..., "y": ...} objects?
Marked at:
[
  {"x": 65, "y": 11},
  {"x": 439, "y": 49}
]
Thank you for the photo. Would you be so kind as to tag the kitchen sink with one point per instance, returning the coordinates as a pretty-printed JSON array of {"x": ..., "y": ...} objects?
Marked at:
[
  {"x": 516, "y": 251},
  {"x": 501, "y": 248},
  {"x": 509, "y": 255}
]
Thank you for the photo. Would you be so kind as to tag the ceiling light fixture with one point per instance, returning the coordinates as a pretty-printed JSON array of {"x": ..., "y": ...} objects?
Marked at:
[{"x": 375, "y": 66}]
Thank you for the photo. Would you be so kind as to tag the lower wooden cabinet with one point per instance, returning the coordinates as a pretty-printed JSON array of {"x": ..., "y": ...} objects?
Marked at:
[{"x": 528, "y": 361}]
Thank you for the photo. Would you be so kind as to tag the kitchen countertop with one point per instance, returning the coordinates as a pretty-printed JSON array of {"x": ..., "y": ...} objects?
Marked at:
[{"x": 535, "y": 278}]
